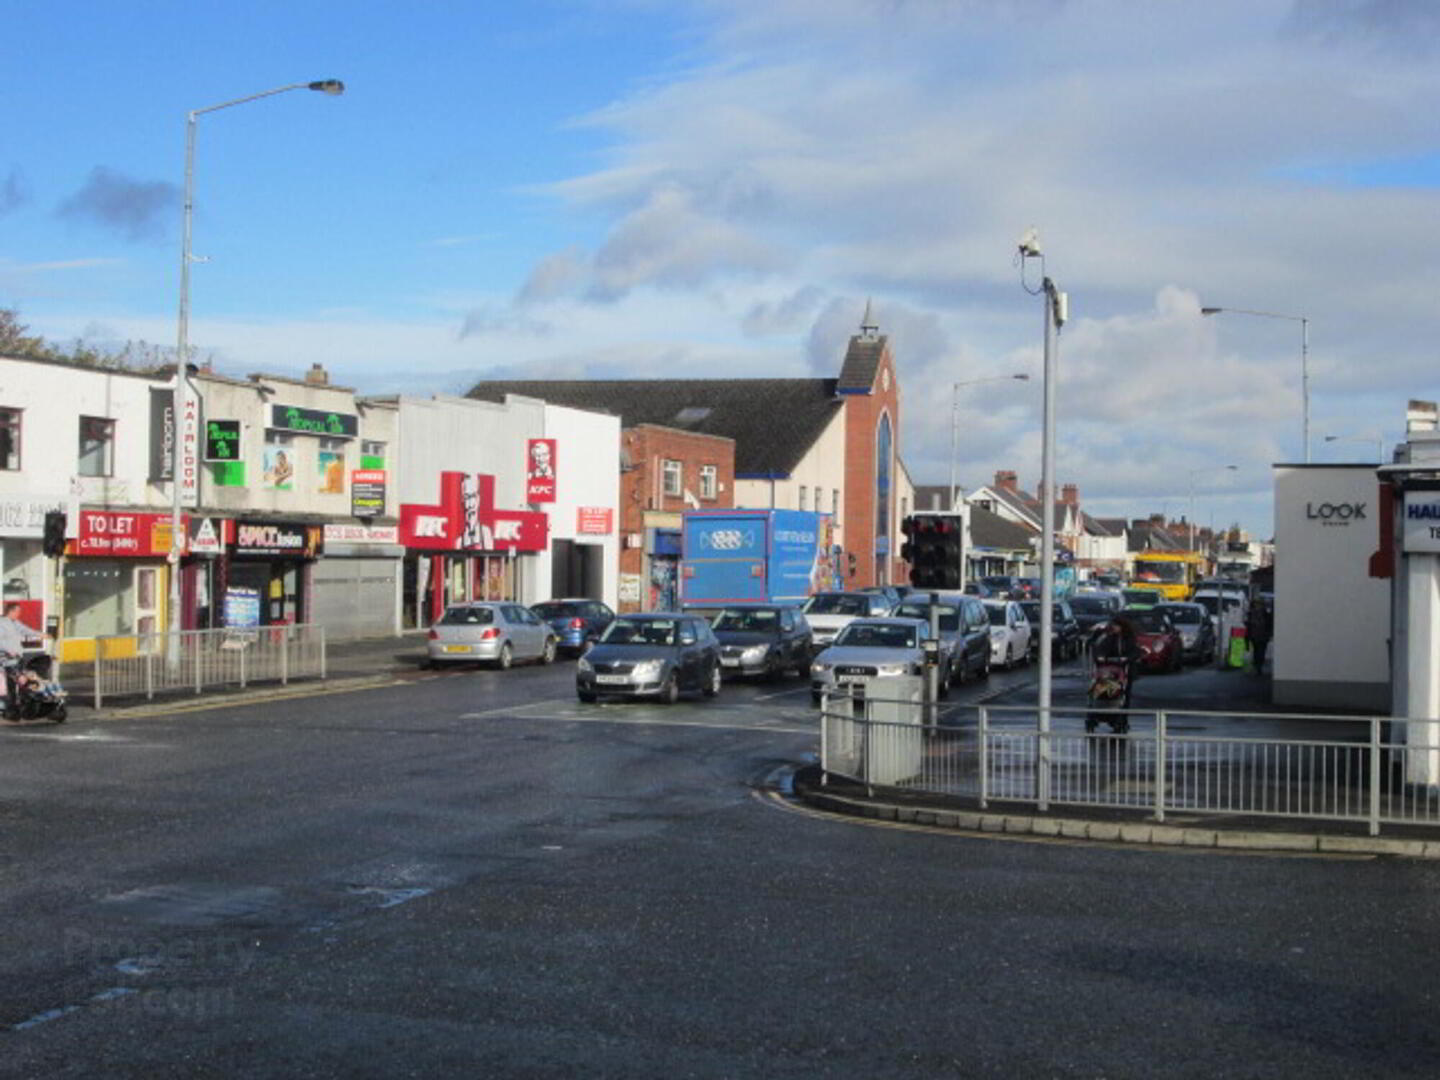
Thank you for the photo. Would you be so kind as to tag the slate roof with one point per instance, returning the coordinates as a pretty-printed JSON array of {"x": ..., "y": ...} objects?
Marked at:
[
  {"x": 862, "y": 362},
  {"x": 932, "y": 497},
  {"x": 990, "y": 530},
  {"x": 774, "y": 422},
  {"x": 1144, "y": 536}
]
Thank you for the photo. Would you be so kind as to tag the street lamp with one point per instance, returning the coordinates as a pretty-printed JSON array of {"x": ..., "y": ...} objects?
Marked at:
[
  {"x": 1376, "y": 438},
  {"x": 955, "y": 418},
  {"x": 1199, "y": 472},
  {"x": 184, "y": 453},
  {"x": 1304, "y": 361}
]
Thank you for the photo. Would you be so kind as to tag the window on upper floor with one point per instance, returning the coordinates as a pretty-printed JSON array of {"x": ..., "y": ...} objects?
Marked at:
[
  {"x": 10, "y": 439},
  {"x": 804, "y": 497},
  {"x": 97, "y": 446},
  {"x": 835, "y": 503},
  {"x": 709, "y": 484},
  {"x": 673, "y": 477},
  {"x": 330, "y": 463},
  {"x": 372, "y": 454}
]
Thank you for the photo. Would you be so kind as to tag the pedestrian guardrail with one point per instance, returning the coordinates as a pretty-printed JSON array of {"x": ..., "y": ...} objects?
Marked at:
[
  {"x": 1371, "y": 770},
  {"x": 128, "y": 665}
]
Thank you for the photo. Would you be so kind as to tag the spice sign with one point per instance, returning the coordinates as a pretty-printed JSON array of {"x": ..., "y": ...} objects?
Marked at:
[
  {"x": 279, "y": 538},
  {"x": 222, "y": 440},
  {"x": 594, "y": 520},
  {"x": 367, "y": 492}
]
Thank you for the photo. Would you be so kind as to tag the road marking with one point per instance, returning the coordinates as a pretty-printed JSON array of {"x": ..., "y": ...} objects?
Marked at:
[{"x": 587, "y": 714}]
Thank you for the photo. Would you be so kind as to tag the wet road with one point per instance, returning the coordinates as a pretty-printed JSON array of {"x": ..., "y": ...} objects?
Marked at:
[{"x": 476, "y": 875}]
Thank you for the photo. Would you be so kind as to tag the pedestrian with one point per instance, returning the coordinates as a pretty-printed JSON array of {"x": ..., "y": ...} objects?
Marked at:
[
  {"x": 13, "y": 634},
  {"x": 1257, "y": 629}
]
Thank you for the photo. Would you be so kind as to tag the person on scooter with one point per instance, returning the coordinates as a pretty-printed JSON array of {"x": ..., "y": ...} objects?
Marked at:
[
  {"x": 1117, "y": 643},
  {"x": 13, "y": 635}
]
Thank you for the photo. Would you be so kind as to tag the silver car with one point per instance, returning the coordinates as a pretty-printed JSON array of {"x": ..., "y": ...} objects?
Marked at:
[
  {"x": 870, "y": 648},
  {"x": 491, "y": 632}
]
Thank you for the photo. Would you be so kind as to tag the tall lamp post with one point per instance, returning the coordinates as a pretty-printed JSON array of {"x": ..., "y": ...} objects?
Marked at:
[
  {"x": 1304, "y": 361},
  {"x": 1376, "y": 438},
  {"x": 1056, "y": 312},
  {"x": 184, "y": 454},
  {"x": 955, "y": 419}
]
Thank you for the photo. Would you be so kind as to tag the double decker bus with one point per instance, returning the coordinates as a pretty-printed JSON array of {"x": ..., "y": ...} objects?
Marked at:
[{"x": 1171, "y": 573}]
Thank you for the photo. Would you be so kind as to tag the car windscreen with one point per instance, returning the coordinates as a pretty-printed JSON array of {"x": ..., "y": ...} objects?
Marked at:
[
  {"x": 467, "y": 616},
  {"x": 1090, "y": 605},
  {"x": 1186, "y": 616},
  {"x": 997, "y": 616},
  {"x": 1168, "y": 573},
  {"x": 996, "y": 582},
  {"x": 639, "y": 632},
  {"x": 1031, "y": 609},
  {"x": 835, "y": 604},
  {"x": 556, "y": 610},
  {"x": 1141, "y": 596},
  {"x": 765, "y": 622},
  {"x": 878, "y": 635},
  {"x": 949, "y": 614},
  {"x": 1147, "y": 621}
]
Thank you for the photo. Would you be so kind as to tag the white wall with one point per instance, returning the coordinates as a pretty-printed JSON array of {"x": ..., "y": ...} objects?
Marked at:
[
  {"x": 587, "y": 473},
  {"x": 822, "y": 467},
  {"x": 1332, "y": 620}
]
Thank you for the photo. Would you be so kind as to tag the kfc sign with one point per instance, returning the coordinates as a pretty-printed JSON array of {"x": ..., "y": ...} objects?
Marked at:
[
  {"x": 540, "y": 471},
  {"x": 467, "y": 520}
]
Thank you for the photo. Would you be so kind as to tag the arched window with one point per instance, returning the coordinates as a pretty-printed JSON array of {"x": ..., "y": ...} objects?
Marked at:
[{"x": 884, "y": 440}]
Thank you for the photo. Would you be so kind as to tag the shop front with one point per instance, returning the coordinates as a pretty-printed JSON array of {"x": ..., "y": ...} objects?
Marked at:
[
  {"x": 270, "y": 566},
  {"x": 115, "y": 579},
  {"x": 464, "y": 548},
  {"x": 24, "y": 570},
  {"x": 204, "y": 572},
  {"x": 357, "y": 583}
]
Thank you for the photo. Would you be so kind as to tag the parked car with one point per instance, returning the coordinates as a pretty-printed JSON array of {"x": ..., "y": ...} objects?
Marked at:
[
  {"x": 577, "y": 622},
  {"x": 870, "y": 648},
  {"x": 490, "y": 632},
  {"x": 1011, "y": 638},
  {"x": 830, "y": 612},
  {"x": 1026, "y": 588},
  {"x": 1065, "y": 643},
  {"x": 964, "y": 632},
  {"x": 1161, "y": 646},
  {"x": 892, "y": 593},
  {"x": 763, "y": 639},
  {"x": 652, "y": 655},
  {"x": 1197, "y": 632},
  {"x": 1093, "y": 610},
  {"x": 978, "y": 588},
  {"x": 1137, "y": 596},
  {"x": 1001, "y": 586}
]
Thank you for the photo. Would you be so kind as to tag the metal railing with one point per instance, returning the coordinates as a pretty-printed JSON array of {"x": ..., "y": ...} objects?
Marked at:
[
  {"x": 132, "y": 665},
  {"x": 1370, "y": 770}
]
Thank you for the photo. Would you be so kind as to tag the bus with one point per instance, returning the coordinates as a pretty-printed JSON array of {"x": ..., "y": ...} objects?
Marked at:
[{"x": 1171, "y": 573}]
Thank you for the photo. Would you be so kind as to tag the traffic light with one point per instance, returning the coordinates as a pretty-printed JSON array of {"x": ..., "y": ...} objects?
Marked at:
[
  {"x": 54, "y": 542},
  {"x": 933, "y": 549}
]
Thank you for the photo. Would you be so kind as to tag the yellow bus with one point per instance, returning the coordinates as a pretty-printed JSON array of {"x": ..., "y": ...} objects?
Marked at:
[{"x": 1171, "y": 573}]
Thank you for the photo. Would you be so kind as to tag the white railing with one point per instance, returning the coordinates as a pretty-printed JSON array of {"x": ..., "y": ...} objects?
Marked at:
[
  {"x": 133, "y": 665},
  {"x": 1370, "y": 770}
]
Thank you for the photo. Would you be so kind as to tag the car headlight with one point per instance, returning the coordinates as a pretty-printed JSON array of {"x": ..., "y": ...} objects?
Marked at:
[
  {"x": 648, "y": 669},
  {"x": 819, "y": 668},
  {"x": 584, "y": 665},
  {"x": 754, "y": 653}
]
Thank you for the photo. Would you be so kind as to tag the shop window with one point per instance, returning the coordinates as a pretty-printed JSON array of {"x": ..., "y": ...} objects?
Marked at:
[
  {"x": 672, "y": 477},
  {"x": 372, "y": 454},
  {"x": 708, "y": 481},
  {"x": 330, "y": 467},
  {"x": 97, "y": 446},
  {"x": 97, "y": 598},
  {"x": 9, "y": 439}
]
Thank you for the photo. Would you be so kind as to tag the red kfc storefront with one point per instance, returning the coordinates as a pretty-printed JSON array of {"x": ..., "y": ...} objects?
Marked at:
[
  {"x": 464, "y": 548},
  {"x": 116, "y": 576}
]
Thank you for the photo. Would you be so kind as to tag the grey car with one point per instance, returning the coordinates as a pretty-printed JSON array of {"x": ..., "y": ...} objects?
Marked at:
[
  {"x": 867, "y": 649},
  {"x": 490, "y": 632},
  {"x": 652, "y": 655},
  {"x": 964, "y": 632}
]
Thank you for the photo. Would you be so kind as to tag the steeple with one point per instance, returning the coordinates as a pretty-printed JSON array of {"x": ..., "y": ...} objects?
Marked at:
[{"x": 869, "y": 329}]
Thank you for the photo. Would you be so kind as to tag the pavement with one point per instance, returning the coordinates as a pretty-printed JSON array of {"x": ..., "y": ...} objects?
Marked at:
[{"x": 356, "y": 665}]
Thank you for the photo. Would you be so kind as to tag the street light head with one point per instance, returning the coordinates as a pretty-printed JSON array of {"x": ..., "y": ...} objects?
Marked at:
[
  {"x": 333, "y": 87},
  {"x": 1211, "y": 310}
]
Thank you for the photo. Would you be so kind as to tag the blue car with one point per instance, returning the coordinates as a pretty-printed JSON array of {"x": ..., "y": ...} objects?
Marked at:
[{"x": 576, "y": 622}]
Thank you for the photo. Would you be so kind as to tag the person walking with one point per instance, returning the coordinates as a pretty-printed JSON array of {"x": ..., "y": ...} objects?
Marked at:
[{"x": 1257, "y": 629}]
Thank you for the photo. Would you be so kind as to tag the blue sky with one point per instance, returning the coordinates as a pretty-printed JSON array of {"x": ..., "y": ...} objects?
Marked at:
[{"x": 703, "y": 187}]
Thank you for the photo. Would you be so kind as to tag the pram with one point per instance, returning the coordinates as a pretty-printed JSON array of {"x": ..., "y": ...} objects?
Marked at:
[{"x": 30, "y": 691}]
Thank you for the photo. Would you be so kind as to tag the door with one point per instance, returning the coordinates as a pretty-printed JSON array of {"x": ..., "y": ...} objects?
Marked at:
[{"x": 147, "y": 607}]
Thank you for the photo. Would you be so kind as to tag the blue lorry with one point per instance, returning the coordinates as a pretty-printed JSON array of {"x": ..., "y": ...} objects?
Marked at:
[{"x": 756, "y": 557}]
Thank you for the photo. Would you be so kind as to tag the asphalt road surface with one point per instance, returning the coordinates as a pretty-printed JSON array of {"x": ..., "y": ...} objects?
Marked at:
[{"x": 474, "y": 875}]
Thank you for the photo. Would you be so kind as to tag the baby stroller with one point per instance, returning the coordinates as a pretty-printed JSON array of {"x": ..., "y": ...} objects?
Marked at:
[
  {"x": 1109, "y": 696},
  {"x": 30, "y": 692}
]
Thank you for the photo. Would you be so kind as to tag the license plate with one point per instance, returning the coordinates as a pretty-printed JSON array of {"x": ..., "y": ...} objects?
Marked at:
[
  {"x": 612, "y": 680},
  {"x": 457, "y": 648},
  {"x": 850, "y": 680},
  {"x": 730, "y": 661}
]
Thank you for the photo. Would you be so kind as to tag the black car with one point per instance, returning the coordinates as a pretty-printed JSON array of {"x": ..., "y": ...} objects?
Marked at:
[
  {"x": 576, "y": 623},
  {"x": 1065, "y": 640},
  {"x": 1093, "y": 610},
  {"x": 652, "y": 655},
  {"x": 763, "y": 639}
]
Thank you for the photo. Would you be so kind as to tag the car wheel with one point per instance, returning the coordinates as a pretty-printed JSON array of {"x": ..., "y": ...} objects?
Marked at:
[
  {"x": 985, "y": 668},
  {"x": 815, "y": 697},
  {"x": 587, "y": 697},
  {"x": 506, "y": 657},
  {"x": 712, "y": 684},
  {"x": 548, "y": 656},
  {"x": 803, "y": 669},
  {"x": 670, "y": 692}
]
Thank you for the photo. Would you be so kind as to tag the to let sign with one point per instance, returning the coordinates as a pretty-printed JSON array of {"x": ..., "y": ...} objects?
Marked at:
[
  {"x": 109, "y": 532},
  {"x": 222, "y": 440},
  {"x": 594, "y": 520}
]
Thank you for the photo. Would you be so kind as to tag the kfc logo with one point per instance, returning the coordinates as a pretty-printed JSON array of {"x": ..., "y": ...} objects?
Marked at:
[
  {"x": 467, "y": 520},
  {"x": 540, "y": 471}
]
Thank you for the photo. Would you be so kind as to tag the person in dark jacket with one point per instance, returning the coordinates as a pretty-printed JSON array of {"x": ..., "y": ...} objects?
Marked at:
[
  {"x": 1117, "y": 642},
  {"x": 1257, "y": 630}
]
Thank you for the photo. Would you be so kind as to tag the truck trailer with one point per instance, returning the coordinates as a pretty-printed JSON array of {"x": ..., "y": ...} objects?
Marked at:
[{"x": 756, "y": 557}]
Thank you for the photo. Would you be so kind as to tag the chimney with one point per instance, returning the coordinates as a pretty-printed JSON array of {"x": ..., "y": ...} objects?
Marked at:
[
  {"x": 1070, "y": 494},
  {"x": 1006, "y": 480},
  {"x": 1157, "y": 519},
  {"x": 317, "y": 376},
  {"x": 1421, "y": 416}
]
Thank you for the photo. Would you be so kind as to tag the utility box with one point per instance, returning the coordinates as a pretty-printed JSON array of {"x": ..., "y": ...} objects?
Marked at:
[{"x": 895, "y": 748}]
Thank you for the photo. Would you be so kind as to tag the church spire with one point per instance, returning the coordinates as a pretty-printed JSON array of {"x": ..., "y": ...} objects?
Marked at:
[{"x": 869, "y": 328}]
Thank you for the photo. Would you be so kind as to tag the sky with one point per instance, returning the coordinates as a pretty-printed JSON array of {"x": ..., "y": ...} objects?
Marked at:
[{"x": 716, "y": 188}]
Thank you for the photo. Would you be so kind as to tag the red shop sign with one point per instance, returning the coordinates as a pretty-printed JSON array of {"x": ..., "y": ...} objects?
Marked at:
[
  {"x": 599, "y": 520},
  {"x": 119, "y": 533},
  {"x": 540, "y": 471},
  {"x": 466, "y": 520}
]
